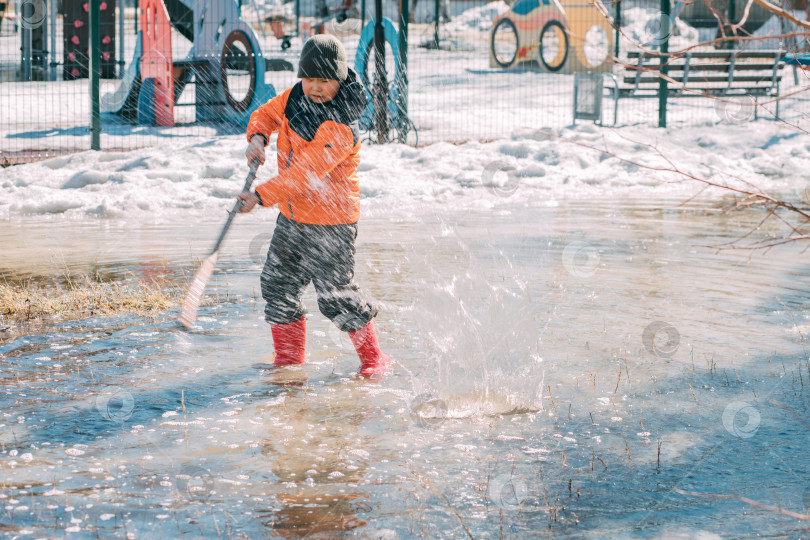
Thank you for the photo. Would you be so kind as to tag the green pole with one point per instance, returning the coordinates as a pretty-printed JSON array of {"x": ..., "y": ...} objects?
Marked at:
[
  {"x": 663, "y": 92},
  {"x": 436, "y": 25},
  {"x": 404, "y": 16},
  {"x": 137, "y": 15},
  {"x": 618, "y": 21},
  {"x": 362, "y": 15},
  {"x": 95, "y": 74},
  {"x": 380, "y": 83}
]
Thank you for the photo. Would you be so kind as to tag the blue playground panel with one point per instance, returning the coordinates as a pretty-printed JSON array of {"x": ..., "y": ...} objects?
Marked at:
[
  {"x": 365, "y": 52},
  {"x": 801, "y": 60}
]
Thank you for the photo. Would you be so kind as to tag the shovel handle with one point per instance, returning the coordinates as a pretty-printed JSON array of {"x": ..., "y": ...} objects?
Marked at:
[{"x": 248, "y": 182}]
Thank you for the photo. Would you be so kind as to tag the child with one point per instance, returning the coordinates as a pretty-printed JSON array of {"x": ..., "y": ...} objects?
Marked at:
[{"x": 318, "y": 195}]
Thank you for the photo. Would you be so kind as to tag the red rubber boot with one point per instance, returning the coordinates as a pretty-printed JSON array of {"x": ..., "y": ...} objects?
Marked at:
[
  {"x": 372, "y": 360},
  {"x": 289, "y": 340}
]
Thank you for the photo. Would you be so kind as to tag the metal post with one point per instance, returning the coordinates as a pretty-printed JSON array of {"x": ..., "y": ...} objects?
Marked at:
[
  {"x": 25, "y": 33},
  {"x": 362, "y": 14},
  {"x": 52, "y": 54},
  {"x": 663, "y": 92},
  {"x": 297, "y": 16},
  {"x": 137, "y": 15},
  {"x": 618, "y": 22},
  {"x": 41, "y": 56},
  {"x": 121, "y": 16},
  {"x": 436, "y": 25},
  {"x": 95, "y": 74},
  {"x": 402, "y": 91},
  {"x": 381, "y": 77}
]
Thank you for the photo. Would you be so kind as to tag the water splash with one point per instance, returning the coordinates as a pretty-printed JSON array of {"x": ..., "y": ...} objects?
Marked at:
[{"x": 483, "y": 346}]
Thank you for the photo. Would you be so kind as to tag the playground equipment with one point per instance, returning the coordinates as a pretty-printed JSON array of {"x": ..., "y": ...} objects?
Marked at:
[
  {"x": 36, "y": 22},
  {"x": 223, "y": 44},
  {"x": 76, "y": 38},
  {"x": 339, "y": 15},
  {"x": 305, "y": 30},
  {"x": 399, "y": 125},
  {"x": 551, "y": 35},
  {"x": 800, "y": 60},
  {"x": 279, "y": 32},
  {"x": 32, "y": 21}
]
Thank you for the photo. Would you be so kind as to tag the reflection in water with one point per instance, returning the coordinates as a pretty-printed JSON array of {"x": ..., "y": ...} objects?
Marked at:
[
  {"x": 317, "y": 515},
  {"x": 316, "y": 462},
  {"x": 560, "y": 369}
]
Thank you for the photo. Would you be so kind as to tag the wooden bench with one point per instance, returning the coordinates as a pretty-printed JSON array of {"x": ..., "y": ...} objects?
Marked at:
[{"x": 703, "y": 74}]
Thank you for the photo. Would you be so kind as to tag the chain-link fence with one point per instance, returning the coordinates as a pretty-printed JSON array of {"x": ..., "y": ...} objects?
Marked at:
[{"x": 475, "y": 70}]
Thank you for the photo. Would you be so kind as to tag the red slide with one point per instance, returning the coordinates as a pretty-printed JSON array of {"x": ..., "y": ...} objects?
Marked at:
[{"x": 156, "y": 61}]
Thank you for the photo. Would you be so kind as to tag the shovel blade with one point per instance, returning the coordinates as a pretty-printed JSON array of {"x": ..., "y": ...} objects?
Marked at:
[{"x": 188, "y": 315}]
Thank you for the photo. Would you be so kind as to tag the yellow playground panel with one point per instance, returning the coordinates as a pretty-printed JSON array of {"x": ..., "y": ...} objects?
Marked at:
[{"x": 552, "y": 35}]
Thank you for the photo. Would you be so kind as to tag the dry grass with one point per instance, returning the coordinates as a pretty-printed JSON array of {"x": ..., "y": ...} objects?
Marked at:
[{"x": 85, "y": 298}]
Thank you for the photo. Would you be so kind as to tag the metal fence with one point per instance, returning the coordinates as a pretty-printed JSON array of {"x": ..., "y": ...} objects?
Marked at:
[{"x": 475, "y": 70}]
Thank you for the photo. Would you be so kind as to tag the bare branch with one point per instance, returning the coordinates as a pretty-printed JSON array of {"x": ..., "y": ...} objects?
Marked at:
[
  {"x": 776, "y": 10},
  {"x": 744, "y": 19},
  {"x": 750, "y": 196}
]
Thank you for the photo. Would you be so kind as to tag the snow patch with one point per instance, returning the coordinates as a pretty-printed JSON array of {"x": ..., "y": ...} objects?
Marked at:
[{"x": 85, "y": 178}]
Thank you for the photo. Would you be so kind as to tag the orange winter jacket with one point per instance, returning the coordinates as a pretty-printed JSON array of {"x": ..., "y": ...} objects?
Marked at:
[{"x": 318, "y": 151}]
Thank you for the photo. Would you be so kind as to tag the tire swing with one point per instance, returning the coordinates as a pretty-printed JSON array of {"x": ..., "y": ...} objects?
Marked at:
[{"x": 238, "y": 55}]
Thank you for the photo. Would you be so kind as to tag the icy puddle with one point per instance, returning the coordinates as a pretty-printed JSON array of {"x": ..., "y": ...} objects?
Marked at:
[{"x": 579, "y": 370}]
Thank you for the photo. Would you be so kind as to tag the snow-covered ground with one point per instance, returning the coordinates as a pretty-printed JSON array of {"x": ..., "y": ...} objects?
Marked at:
[
  {"x": 454, "y": 94},
  {"x": 538, "y": 167}
]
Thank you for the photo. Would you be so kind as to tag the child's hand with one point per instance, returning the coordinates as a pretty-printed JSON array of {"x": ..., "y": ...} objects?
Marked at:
[
  {"x": 255, "y": 149},
  {"x": 249, "y": 200}
]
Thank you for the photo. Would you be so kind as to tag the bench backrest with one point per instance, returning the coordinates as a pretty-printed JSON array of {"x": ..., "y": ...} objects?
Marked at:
[{"x": 715, "y": 72}]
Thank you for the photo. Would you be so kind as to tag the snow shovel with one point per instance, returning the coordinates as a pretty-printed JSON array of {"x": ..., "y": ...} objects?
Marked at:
[{"x": 195, "y": 291}]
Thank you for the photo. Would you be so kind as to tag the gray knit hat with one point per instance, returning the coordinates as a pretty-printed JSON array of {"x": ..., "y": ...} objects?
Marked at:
[{"x": 323, "y": 57}]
